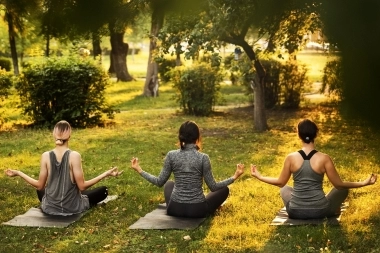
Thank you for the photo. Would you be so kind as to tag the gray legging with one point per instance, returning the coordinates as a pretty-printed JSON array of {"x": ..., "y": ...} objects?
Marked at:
[
  {"x": 194, "y": 210},
  {"x": 335, "y": 197}
]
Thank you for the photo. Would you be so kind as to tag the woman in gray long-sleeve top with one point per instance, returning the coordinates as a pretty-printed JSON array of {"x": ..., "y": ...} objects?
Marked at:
[{"x": 184, "y": 197}]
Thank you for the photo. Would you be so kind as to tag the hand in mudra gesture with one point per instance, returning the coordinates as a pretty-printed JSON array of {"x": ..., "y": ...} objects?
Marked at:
[{"x": 114, "y": 172}]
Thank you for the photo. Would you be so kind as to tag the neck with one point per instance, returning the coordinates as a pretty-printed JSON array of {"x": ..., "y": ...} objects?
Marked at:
[
  {"x": 308, "y": 146},
  {"x": 62, "y": 147}
]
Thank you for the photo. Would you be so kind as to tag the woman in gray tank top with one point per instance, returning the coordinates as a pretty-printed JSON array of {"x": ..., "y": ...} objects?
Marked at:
[
  {"x": 306, "y": 200},
  {"x": 61, "y": 186},
  {"x": 184, "y": 197}
]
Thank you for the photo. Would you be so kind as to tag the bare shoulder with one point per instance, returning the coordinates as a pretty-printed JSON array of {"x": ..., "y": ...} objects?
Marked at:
[
  {"x": 45, "y": 156},
  {"x": 292, "y": 155},
  {"x": 323, "y": 156},
  {"x": 75, "y": 153},
  {"x": 75, "y": 156}
]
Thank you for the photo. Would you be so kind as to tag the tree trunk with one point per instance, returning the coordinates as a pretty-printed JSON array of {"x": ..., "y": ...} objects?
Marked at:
[
  {"x": 259, "y": 115},
  {"x": 47, "y": 48},
  {"x": 178, "y": 61},
  {"x": 118, "y": 56},
  {"x": 96, "y": 48},
  {"x": 151, "y": 81},
  {"x": 12, "y": 43}
]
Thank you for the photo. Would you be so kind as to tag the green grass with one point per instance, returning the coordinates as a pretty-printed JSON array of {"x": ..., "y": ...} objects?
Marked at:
[{"x": 147, "y": 128}]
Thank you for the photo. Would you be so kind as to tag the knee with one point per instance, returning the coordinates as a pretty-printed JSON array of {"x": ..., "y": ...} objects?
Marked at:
[
  {"x": 169, "y": 184},
  {"x": 225, "y": 191}
]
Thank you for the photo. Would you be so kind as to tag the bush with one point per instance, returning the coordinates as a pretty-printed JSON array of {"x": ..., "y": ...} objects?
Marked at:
[
  {"x": 64, "y": 88},
  {"x": 272, "y": 82},
  {"x": 164, "y": 66},
  {"x": 292, "y": 80},
  {"x": 5, "y": 84},
  {"x": 332, "y": 78},
  {"x": 242, "y": 72},
  {"x": 197, "y": 88},
  {"x": 5, "y": 63}
]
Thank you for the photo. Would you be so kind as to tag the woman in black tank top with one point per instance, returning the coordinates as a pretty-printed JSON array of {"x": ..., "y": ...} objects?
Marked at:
[{"x": 306, "y": 200}]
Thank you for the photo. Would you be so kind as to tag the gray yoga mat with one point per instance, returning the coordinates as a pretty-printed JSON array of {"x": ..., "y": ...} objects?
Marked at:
[
  {"x": 282, "y": 218},
  {"x": 34, "y": 217},
  {"x": 158, "y": 219}
]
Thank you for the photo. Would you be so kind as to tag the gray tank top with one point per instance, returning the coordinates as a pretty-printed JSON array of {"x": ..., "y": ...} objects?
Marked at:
[
  {"x": 62, "y": 196},
  {"x": 308, "y": 192}
]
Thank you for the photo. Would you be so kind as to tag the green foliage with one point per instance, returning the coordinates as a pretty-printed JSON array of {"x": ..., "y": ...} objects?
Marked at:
[
  {"x": 332, "y": 81},
  {"x": 293, "y": 78},
  {"x": 242, "y": 72},
  {"x": 164, "y": 66},
  {"x": 5, "y": 63},
  {"x": 197, "y": 87},
  {"x": 5, "y": 83},
  {"x": 64, "y": 88}
]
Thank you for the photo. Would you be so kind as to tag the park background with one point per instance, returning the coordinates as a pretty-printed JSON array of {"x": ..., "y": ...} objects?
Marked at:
[{"x": 147, "y": 127}]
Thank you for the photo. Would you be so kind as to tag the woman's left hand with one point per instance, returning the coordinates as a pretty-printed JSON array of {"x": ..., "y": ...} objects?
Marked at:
[
  {"x": 114, "y": 172},
  {"x": 11, "y": 173}
]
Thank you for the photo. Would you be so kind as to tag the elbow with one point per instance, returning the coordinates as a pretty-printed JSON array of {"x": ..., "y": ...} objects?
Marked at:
[
  {"x": 339, "y": 187},
  {"x": 160, "y": 184},
  {"x": 40, "y": 187},
  {"x": 213, "y": 188},
  {"x": 81, "y": 188},
  {"x": 281, "y": 185}
]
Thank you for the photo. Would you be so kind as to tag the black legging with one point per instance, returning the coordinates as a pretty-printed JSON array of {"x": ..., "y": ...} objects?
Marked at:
[
  {"x": 194, "y": 210},
  {"x": 95, "y": 195}
]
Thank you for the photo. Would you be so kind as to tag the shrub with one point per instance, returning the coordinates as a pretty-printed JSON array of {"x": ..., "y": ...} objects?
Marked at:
[
  {"x": 164, "y": 66},
  {"x": 332, "y": 78},
  {"x": 242, "y": 72},
  {"x": 5, "y": 84},
  {"x": 197, "y": 88},
  {"x": 272, "y": 87},
  {"x": 5, "y": 63},
  {"x": 292, "y": 80},
  {"x": 68, "y": 88}
]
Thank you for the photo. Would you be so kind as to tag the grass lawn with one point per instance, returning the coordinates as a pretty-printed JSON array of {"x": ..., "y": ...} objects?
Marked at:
[{"x": 147, "y": 128}]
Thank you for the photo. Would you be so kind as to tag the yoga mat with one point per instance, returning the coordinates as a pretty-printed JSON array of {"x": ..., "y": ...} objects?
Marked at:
[
  {"x": 283, "y": 219},
  {"x": 34, "y": 217},
  {"x": 158, "y": 219}
]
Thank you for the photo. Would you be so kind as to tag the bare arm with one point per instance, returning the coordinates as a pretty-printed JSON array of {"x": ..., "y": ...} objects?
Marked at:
[
  {"x": 335, "y": 179},
  {"x": 76, "y": 164},
  {"x": 42, "y": 178},
  {"x": 281, "y": 181}
]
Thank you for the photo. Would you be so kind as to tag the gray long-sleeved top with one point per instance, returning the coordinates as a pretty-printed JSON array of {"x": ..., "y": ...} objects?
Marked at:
[{"x": 189, "y": 167}]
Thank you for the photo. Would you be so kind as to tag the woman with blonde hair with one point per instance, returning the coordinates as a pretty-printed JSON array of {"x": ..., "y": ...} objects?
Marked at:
[{"x": 61, "y": 186}]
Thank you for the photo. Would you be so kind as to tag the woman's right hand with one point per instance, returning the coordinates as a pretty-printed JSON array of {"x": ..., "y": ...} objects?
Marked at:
[
  {"x": 371, "y": 179},
  {"x": 239, "y": 171},
  {"x": 254, "y": 172}
]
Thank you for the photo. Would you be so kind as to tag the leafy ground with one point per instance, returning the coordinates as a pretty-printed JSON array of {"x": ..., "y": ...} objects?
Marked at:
[{"x": 147, "y": 128}]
